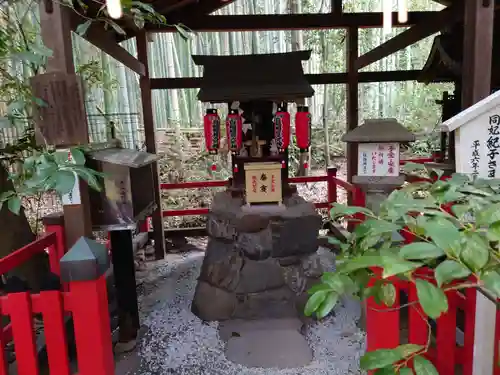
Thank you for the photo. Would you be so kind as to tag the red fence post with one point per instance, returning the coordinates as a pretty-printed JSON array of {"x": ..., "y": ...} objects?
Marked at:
[
  {"x": 332, "y": 185},
  {"x": 55, "y": 223},
  {"x": 84, "y": 268}
]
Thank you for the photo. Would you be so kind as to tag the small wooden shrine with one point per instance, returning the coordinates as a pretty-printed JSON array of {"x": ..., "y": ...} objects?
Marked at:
[{"x": 257, "y": 90}]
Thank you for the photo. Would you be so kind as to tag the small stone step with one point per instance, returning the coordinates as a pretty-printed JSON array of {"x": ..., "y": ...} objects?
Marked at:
[
  {"x": 237, "y": 327},
  {"x": 272, "y": 348}
]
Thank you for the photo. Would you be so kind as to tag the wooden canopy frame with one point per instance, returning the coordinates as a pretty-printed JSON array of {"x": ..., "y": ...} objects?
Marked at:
[{"x": 58, "y": 21}]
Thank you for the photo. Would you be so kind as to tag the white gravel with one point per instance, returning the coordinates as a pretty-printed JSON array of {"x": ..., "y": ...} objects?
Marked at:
[{"x": 178, "y": 343}]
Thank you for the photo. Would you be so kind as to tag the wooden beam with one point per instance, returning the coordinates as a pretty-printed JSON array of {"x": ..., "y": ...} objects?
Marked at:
[
  {"x": 165, "y": 7},
  {"x": 314, "y": 79},
  {"x": 336, "y": 6},
  {"x": 106, "y": 41},
  {"x": 56, "y": 34},
  {"x": 352, "y": 50},
  {"x": 149, "y": 135},
  {"x": 422, "y": 30},
  {"x": 290, "y": 21}
]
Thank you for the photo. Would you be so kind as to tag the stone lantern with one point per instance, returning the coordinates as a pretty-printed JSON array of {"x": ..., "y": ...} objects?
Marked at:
[{"x": 378, "y": 143}]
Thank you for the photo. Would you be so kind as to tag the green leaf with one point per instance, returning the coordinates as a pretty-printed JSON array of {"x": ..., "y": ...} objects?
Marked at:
[
  {"x": 14, "y": 205},
  {"x": 432, "y": 299},
  {"x": 405, "y": 371},
  {"x": 410, "y": 349},
  {"x": 78, "y": 156},
  {"x": 6, "y": 195},
  {"x": 314, "y": 302},
  {"x": 65, "y": 181},
  {"x": 421, "y": 250},
  {"x": 319, "y": 288},
  {"x": 476, "y": 252},
  {"x": 444, "y": 234},
  {"x": 393, "y": 266},
  {"x": 327, "y": 305},
  {"x": 387, "y": 294},
  {"x": 116, "y": 27},
  {"x": 28, "y": 56},
  {"x": 380, "y": 358},
  {"x": 414, "y": 167},
  {"x": 365, "y": 261},
  {"x": 344, "y": 210},
  {"x": 494, "y": 231},
  {"x": 146, "y": 7},
  {"x": 450, "y": 270},
  {"x": 83, "y": 27},
  {"x": 389, "y": 370},
  {"x": 491, "y": 281},
  {"x": 489, "y": 215},
  {"x": 423, "y": 366}
]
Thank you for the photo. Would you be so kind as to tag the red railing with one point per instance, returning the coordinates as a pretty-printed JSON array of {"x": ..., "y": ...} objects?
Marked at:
[
  {"x": 85, "y": 301},
  {"x": 384, "y": 325},
  {"x": 330, "y": 178}
]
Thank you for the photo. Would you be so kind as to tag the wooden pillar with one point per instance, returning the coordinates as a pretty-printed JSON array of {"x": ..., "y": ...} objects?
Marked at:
[
  {"x": 477, "y": 51},
  {"x": 149, "y": 133},
  {"x": 56, "y": 35},
  {"x": 476, "y": 85},
  {"x": 352, "y": 98}
]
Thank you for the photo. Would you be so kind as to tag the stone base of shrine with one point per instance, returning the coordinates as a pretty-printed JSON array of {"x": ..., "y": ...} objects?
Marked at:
[{"x": 258, "y": 266}]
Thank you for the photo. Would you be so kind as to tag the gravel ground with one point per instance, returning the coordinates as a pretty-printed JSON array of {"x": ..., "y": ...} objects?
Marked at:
[{"x": 178, "y": 343}]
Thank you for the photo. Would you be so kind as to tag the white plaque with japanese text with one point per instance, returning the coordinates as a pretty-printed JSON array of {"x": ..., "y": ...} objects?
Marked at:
[{"x": 378, "y": 159}]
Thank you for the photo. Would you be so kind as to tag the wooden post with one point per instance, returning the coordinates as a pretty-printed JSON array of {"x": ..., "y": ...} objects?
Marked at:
[
  {"x": 56, "y": 35},
  {"x": 352, "y": 97},
  {"x": 54, "y": 223},
  {"x": 476, "y": 85},
  {"x": 122, "y": 255},
  {"x": 84, "y": 268},
  {"x": 332, "y": 185},
  {"x": 149, "y": 133}
]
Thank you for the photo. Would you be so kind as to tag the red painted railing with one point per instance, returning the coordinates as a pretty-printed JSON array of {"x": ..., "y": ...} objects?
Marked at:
[
  {"x": 384, "y": 325},
  {"x": 330, "y": 178},
  {"x": 86, "y": 301}
]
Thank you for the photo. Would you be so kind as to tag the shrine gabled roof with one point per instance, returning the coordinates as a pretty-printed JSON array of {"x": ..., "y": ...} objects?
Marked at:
[
  {"x": 277, "y": 76},
  {"x": 472, "y": 112},
  {"x": 379, "y": 131}
]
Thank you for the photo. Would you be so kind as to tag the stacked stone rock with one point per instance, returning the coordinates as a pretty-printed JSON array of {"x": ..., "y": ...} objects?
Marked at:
[{"x": 258, "y": 265}]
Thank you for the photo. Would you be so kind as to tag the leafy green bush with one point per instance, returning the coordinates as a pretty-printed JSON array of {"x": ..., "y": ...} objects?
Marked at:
[{"x": 455, "y": 224}]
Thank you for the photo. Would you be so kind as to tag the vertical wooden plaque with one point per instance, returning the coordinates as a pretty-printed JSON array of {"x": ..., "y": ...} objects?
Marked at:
[{"x": 62, "y": 121}]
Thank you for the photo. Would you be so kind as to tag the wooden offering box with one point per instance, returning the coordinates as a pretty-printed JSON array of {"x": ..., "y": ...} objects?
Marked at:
[{"x": 263, "y": 183}]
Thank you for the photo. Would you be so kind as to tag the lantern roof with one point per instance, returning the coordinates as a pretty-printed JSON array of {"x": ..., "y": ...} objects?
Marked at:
[
  {"x": 379, "y": 131},
  {"x": 277, "y": 77}
]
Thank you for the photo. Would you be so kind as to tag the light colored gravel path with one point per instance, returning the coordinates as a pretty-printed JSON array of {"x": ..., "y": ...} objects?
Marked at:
[{"x": 178, "y": 343}]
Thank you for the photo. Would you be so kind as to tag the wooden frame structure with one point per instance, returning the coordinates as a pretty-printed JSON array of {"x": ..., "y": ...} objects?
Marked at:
[{"x": 58, "y": 21}]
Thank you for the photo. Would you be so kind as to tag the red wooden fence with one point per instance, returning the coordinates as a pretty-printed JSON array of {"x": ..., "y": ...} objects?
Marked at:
[
  {"x": 330, "y": 178},
  {"x": 87, "y": 303},
  {"x": 384, "y": 325}
]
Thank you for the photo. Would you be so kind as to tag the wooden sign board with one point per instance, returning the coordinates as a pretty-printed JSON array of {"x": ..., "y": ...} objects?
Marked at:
[
  {"x": 378, "y": 159},
  {"x": 263, "y": 182},
  {"x": 62, "y": 120}
]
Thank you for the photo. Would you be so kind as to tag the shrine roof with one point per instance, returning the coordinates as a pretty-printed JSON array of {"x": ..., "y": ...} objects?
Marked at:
[
  {"x": 379, "y": 131},
  {"x": 277, "y": 77},
  {"x": 124, "y": 156},
  {"x": 487, "y": 104}
]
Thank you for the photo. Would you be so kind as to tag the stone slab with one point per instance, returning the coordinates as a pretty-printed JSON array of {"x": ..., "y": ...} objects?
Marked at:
[
  {"x": 285, "y": 348},
  {"x": 238, "y": 327}
]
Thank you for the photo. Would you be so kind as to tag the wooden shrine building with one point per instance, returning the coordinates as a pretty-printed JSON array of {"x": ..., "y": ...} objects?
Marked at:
[{"x": 462, "y": 54}]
